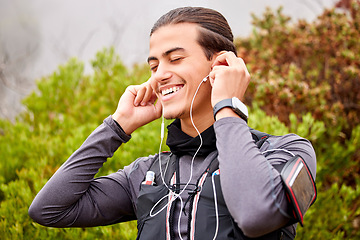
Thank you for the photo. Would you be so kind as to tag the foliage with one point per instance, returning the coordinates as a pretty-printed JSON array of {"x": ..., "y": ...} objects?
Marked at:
[
  {"x": 306, "y": 73},
  {"x": 65, "y": 109},
  {"x": 307, "y": 66}
]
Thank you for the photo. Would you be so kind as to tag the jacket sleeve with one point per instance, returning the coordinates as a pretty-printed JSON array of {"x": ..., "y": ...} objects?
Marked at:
[
  {"x": 252, "y": 187},
  {"x": 73, "y": 198}
]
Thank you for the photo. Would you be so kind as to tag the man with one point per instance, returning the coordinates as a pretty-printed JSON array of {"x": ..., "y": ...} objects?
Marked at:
[{"x": 215, "y": 185}]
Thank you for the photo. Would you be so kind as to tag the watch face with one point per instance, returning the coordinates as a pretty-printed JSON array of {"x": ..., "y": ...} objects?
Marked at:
[
  {"x": 239, "y": 107},
  {"x": 236, "y": 103}
]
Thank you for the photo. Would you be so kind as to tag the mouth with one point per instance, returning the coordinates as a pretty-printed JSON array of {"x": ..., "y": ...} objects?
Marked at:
[{"x": 171, "y": 90}]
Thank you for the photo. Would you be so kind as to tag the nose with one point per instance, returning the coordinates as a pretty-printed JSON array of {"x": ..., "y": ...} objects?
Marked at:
[{"x": 162, "y": 73}]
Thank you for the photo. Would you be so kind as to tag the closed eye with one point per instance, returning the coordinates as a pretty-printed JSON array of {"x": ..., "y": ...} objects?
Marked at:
[
  {"x": 176, "y": 59},
  {"x": 153, "y": 68}
]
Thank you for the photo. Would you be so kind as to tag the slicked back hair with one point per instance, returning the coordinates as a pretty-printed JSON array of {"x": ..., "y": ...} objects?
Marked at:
[{"x": 215, "y": 34}]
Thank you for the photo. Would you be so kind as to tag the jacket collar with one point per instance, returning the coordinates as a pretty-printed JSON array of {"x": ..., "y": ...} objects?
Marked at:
[{"x": 182, "y": 144}]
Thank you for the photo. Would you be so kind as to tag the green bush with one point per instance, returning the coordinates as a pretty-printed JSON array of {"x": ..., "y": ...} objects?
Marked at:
[
  {"x": 308, "y": 75},
  {"x": 65, "y": 109}
]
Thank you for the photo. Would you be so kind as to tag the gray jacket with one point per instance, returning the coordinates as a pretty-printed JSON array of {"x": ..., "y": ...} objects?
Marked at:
[{"x": 73, "y": 198}]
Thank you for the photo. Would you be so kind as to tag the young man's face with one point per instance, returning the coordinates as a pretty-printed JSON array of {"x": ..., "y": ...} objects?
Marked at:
[{"x": 178, "y": 65}]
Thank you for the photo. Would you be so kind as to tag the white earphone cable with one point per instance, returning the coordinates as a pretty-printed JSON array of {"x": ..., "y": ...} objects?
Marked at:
[{"x": 177, "y": 195}]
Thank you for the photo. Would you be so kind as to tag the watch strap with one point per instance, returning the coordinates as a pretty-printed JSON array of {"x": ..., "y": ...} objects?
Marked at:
[
  {"x": 228, "y": 103},
  {"x": 222, "y": 104}
]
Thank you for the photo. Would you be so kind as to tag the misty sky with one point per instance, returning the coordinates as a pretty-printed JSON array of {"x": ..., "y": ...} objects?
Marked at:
[{"x": 36, "y": 36}]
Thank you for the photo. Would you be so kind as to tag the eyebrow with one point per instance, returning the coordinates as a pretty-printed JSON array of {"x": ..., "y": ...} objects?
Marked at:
[{"x": 167, "y": 53}]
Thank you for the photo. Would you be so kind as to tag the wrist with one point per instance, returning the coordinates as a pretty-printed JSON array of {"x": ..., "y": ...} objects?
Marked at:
[
  {"x": 225, "y": 112},
  {"x": 233, "y": 104},
  {"x": 124, "y": 126}
]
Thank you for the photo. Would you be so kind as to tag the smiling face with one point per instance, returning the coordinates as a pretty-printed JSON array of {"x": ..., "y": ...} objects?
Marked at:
[{"x": 178, "y": 65}]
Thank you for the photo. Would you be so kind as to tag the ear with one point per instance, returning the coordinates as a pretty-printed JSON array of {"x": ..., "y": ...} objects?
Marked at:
[
  {"x": 216, "y": 55},
  {"x": 220, "y": 53}
]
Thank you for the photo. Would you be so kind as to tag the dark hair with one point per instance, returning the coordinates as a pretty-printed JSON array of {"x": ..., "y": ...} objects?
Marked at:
[{"x": 215, "y": 34}]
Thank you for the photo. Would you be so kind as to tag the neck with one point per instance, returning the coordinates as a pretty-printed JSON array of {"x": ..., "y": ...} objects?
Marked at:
[{"x": 202, "y": 121}]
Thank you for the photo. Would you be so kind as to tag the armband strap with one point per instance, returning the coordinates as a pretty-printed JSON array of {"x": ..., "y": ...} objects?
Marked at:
[{"x": 300, "y": 186}]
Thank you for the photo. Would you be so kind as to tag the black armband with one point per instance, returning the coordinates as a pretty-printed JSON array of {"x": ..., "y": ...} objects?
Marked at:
[{"x": 300, "y": 186}]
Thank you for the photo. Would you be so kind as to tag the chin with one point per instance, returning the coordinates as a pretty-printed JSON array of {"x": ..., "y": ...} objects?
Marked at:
[{"x": 172, "y": 114}]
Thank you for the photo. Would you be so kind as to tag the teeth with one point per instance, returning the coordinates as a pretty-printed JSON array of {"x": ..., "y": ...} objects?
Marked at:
[{"x": 170, "y": 90}]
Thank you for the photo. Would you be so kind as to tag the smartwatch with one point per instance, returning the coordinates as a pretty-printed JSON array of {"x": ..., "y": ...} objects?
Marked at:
[{"x": 235, "y": 104}]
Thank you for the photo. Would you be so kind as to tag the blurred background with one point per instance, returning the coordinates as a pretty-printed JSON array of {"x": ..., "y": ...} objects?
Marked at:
[
  {"x": 36, "y": 36},
  {"x": 65, "y": 64}
]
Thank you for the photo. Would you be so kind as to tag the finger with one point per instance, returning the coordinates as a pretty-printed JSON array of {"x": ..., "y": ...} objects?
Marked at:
[
  {"x": 216, "y": 70},
  {"x": 140, "y": 93},
  {"x": 226, "y": 59},
  {"x": 242, "y": 65},
  {"x": 220, "y": 60},
  {"x": 148, "y": 96},
  {"x": 219, "y": 68},
  {"x": 158, "y": 109},
  {"x": 237, "y": 64},
  {"x": 211, "y": 79}
]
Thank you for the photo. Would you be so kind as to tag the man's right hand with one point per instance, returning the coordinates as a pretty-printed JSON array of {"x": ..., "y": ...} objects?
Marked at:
[{"x": 137, "y": 107}]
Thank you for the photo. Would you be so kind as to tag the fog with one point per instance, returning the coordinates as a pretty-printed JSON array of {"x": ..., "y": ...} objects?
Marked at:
[{"x": 36, "y": 36}]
